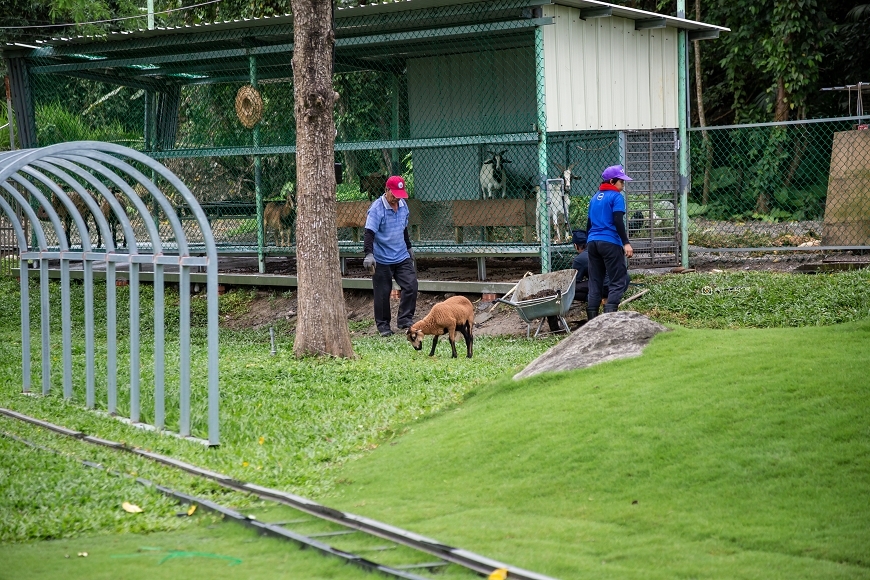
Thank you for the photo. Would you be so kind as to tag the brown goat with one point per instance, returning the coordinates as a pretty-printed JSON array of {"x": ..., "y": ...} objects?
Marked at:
[
  {"x": 82, "y": 209},
  {"x": 280, "y": 217},
  {"x": 65, "y": 217},
  {"x": 454, "y": 314},
  {"x": 373, "y": 184}
]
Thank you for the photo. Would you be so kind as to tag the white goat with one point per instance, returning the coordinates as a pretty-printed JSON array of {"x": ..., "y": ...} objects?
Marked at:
[
  {"x": 492, "y": 175},
  {"x": 568, "y": 175},
  {"x": 557, "y": 203},
  {"x": 659, "y": 221}
]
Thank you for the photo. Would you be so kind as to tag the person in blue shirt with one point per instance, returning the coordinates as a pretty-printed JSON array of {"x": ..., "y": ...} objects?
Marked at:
[
  {"x": 607, "y": 242},
  {"x": 389, "y": 256}
]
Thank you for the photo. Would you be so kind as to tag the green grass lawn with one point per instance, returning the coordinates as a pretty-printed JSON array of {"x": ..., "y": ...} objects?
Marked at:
[
  {"x": 204, "y": 550},
  {"x": 746, "y": 450},
  {"x": 717, "y": 454}
]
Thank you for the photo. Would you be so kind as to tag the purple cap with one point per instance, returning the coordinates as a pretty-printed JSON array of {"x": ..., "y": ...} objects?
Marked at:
[{"x": 614, "y": 172}]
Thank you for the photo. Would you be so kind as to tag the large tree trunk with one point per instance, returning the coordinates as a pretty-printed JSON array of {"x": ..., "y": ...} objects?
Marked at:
[{"x": 321, "y": 327}]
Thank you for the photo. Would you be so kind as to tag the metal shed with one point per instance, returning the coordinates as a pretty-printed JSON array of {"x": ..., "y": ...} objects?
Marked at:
[{"x": 431, "y": 89}]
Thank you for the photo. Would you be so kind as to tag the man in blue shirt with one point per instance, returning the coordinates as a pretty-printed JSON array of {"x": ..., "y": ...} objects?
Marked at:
[
  {"x": 607, "y": 242},
  {"x": 389, "y": 256}
]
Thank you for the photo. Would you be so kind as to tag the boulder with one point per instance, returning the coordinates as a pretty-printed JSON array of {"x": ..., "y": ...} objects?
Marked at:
[{"x": 607, "y": 337}]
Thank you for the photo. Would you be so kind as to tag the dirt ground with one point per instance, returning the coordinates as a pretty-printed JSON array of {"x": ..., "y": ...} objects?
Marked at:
[{"x": 271, "y": 305}]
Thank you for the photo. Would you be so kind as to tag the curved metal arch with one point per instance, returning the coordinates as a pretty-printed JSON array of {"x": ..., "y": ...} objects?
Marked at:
[
  {"x": 87, "y": 198},
  {"x": 84, "y": 159},
  {"x": 151, "y": 187},
  {"x": 31, "y": 215}
]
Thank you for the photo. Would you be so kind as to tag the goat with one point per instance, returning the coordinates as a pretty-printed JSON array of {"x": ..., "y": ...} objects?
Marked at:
[
  {"x": 557, "y": 204},
  {"x": 567, "y": 175},
  {"x": 448, "y": 317},
  {"x": 64, "y": 215},
  {"x": 87, "y": 216},
  {"x": 280, "y": 217},
  {"x": 373, "y": 184},
  {"x": 492, "y": 174},
  {"x": 660, "y": 218}
]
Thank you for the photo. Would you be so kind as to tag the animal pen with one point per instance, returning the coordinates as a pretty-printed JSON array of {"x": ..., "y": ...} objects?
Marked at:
[{"x": 500, "y": 114}]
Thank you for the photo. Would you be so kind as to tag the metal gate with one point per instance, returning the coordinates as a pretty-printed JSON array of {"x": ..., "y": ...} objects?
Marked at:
[
  {"x": 652, "y": 197},
  {"x": 67, "y": 186}
]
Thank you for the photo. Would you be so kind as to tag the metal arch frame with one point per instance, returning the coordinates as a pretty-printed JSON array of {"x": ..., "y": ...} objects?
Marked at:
[{"x": 89, "y": 165}]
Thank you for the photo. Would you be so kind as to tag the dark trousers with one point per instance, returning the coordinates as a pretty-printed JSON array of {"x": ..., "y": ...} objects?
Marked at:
[
  {"x": 382, "y": 282},
  {"x": 606, "y": 259}
]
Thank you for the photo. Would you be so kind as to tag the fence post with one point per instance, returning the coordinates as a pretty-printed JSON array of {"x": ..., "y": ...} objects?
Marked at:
[
  {"x": 682, "y": 104},
  {"x": 542, "y": 208}
]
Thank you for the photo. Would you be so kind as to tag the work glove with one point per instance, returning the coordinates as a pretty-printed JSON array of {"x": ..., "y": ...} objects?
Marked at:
[{"x": 369, "y": 263}]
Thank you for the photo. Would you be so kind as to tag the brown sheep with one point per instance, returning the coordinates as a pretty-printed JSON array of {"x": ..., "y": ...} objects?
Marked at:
[
  {"x": 454, "y": 314},
  {"x": 373, "y": 184},
  {"x": 279, "y": 217}
]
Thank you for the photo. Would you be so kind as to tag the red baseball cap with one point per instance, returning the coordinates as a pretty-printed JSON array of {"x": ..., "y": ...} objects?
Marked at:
[{"x": 396, "y": 185}]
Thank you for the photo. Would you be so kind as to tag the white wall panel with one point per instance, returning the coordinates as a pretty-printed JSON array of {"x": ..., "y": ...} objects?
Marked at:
[{"x": 602, "y": 74}]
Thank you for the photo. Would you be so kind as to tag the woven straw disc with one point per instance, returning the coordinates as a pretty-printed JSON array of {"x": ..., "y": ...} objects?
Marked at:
[{"x": 249, "y": 106}]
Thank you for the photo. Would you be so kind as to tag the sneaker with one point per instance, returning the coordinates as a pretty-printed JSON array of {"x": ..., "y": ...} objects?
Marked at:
[{"x": 386, "y": 333}]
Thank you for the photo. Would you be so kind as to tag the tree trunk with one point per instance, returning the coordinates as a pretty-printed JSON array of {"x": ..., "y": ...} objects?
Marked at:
[
  {"x": 781, "y": 112},
  {"x": 321, "y": 327},
  {"x": 702, "y": 118}
]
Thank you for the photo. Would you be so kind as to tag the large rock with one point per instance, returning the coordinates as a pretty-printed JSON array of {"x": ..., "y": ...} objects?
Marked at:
[{"x": 606, "y": 337}]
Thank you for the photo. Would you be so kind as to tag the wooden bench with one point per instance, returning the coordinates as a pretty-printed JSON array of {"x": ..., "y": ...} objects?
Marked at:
[
  {"x": 352, "y": 214},
  {"x": 489, "y": 213}
]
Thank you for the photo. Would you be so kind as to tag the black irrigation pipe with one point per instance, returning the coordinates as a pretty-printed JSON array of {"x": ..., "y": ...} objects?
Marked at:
[
  {"x": 470, "y": 560},
  {"x": 262, "y": 527}
]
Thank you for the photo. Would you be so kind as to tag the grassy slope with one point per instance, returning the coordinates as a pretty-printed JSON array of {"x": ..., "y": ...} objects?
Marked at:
[{"x": 747, "y": 452}]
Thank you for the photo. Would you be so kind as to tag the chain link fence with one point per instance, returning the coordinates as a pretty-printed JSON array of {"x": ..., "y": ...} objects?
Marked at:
[
  {"x": 783, "y": 186},
  {"x": 450, "y": 97}
]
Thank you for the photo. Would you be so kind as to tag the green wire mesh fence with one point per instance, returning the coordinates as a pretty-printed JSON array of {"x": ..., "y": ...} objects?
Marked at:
[
  {"x": 455, "y": 98},
  {"x": 787, "y": 185}
]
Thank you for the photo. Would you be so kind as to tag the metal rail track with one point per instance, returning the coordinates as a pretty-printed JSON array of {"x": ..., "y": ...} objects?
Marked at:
[
  {"x": 466, "y": 559},
  {"x": 273, "y": 529}
]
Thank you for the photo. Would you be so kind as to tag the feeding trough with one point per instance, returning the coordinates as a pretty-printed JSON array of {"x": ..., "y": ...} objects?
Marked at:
[{"x": 543, "y": 295}]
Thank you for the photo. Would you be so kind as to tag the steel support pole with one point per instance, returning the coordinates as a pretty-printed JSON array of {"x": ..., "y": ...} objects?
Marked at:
[
  {"x": 258, "y": 180},
  {"x": 45, "y": 327},
  {"x": 159, "y": 349},
  {"x": 683, "y": 104},
  {"x": 9, "y": 115},
  {"x": 394, "y": 126},
  {"x": 111, "y": 339},
  {"x": 542, "y": 210},
  {"x": 184, "y": 349}
]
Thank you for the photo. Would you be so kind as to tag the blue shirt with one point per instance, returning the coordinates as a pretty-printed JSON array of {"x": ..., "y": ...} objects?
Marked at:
[
  {"x": 601, "y": 208},
  {"x": 389, "y": 228}
]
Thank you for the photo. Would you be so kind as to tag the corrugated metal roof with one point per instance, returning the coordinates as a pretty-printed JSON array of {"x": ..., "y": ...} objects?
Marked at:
[{"x": 369, "y": 9}]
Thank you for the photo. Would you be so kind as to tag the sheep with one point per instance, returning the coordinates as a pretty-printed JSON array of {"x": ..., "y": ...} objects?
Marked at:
[
  {"x": 279, "y": 217},
  {"x": 448, "y": 317},
  {"x": 492, "y": 174},
  {"x": 373, "y": 184}
]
